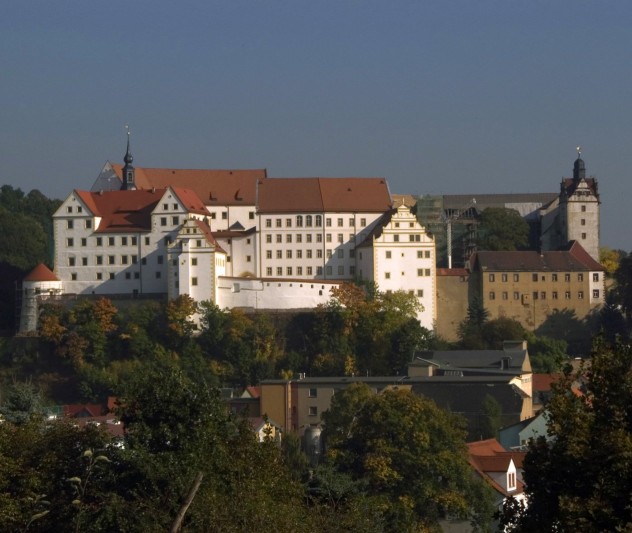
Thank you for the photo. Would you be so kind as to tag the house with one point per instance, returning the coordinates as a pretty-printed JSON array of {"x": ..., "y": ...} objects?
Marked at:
[
  {"x": 500, "y": 468},
  {"x": 516, "y": 436},
  {"x": 265, "y": 428},
  {"x": 533, "y": 287}
]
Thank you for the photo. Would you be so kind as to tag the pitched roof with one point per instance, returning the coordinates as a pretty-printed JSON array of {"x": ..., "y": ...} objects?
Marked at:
[
  {"x": 41, "y": 273},
  {"x": 206, "y": 231},
  {"x": 214, "y": 187},
  {"x": 488, "y": 456},
  {"x": 125, "y": 211},
  {"x": 475, "y": 359},
  {"x": 317, "y": 195},
  {"x": 572, "y": 259},
  {"x": 569, "y": 185}
]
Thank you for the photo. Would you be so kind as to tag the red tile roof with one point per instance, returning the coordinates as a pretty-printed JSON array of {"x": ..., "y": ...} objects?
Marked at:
[
  {"x": 542, "y": 382},
  {"x": 41, "y": 273},
  {"x": 206, "y": 231},
  {"x": 214, "y": 187},
  {"x": 572, "y": 259},
  {"x": 130, "y": 211},
  {"x": 488, "y": 456},
  {"x": 317, "y": 195}
]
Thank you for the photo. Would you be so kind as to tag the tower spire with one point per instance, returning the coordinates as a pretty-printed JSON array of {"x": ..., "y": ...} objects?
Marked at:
[
  {"x": 128, "y": 170},
  {"x": 579, "y": 167}
]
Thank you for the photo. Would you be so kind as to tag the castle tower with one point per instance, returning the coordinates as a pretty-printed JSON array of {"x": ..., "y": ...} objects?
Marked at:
[
  {"x": 129, "y": 183},
  {"x": 39, "y": 284},
  {"x": 579, "y": 208}
]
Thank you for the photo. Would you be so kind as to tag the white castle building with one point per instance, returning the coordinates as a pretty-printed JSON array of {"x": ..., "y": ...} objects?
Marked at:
[{"x": 238, "y": 238}]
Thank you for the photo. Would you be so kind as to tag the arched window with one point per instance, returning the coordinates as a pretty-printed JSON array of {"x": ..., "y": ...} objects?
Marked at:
[
  {"x": 299, "y": 221},
  {"x": 308, "y": 220},
  {"x": 319, "y": 221}
]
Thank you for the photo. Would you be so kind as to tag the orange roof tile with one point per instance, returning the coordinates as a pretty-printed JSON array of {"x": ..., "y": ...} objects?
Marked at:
[
  {"x": 41, "y": 273},
  {"x": 317, "y": 195},
  {"x": 214, "y": 187}
]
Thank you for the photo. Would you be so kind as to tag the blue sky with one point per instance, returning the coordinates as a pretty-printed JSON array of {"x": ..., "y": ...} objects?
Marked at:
[{"x": 438, "y": 96}]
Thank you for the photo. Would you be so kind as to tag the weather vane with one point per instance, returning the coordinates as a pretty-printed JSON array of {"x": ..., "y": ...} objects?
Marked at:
[
  {"x": 579, "y": 152},
  {"x": 127, "y": 128}
]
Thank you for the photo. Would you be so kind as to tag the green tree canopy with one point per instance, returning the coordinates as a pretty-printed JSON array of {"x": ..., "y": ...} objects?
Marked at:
[{"x": 502, "y": 229}]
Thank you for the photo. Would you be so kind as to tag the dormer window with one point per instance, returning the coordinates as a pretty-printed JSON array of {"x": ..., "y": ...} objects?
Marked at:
[{"x": 511, "y": 481}]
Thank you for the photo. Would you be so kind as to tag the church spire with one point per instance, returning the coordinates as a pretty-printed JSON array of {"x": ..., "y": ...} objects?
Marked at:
[{"x": 128, "y": 170}]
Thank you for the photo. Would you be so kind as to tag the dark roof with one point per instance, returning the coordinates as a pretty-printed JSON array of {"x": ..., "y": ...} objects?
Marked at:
[
  {"x": 318, "y": 195},
  {"x": 474, "y": 359},
  {"x": 572, "y": 259}
]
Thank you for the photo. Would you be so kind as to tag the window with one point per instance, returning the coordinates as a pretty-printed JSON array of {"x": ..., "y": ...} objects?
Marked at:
[
  {"x": 492, "y": 295},
  {"x": 71, "y": 261},
  {"x": 146, "y": 240},
  {"x": 505, "y": 295},
  {"x": 567, "y": 277},
  {"x": 583, "y": 222},
  {"x": 288, "y": 254},
  {"x": 194, "y": 261},
  {"x": 583, "y": 208},
  {"x": 313, "y": 393},
  {"x": 268, "y": 222},
  {"x": 427, "y": 254},
  {"x": 165, "y": 207},
  {"x": 73, "y": 276},
  {"x": 319, "y": 237},
  {"x": 553, "y": 277},
  {"x": 580, "y": 277},
  {"x": 340, "y": 253},
  {"x": 136, "y": 275},
  {"x": 567, "y": 295},
  {"x": 534, "y": 277},
  {"x": 328, "y": 222},
  {"x": 279, "y": 271},
  {"x": 213, "y": 216},
  {"x": 70, "y": 224},
  {"x": 123, "y": 241},
  {"x": 319, "y": 221},
  {"x": 554, "y": 295},
  {"x": 328, "y": 237},
  {"x": 299, "y": 221},
  {"x": 352, "y": 270},
  {"x": 352, "y": 253},
  {"x": 289, "y": 271},
  {"x": 388, "y": 254},
  {"x": 279, "y": 254},
  {"x": 340, "y": 223},
  {"x": 427, "y": 271},
  {"x": 111, "y": 260},
  {"x": 69, "y": 209},
  {"x": 309, "y": 254},
  {"x": 542, "y": 295},
  {"x": 88, "y": 224},
  {"x": 175, "y": 220},
  {"x": 516, "y": 295},
  {"x": 363, "y": 222},
  {"x": 308, "y": 221},
  {"x": 268, "y": 238},
  {"x": 224, "y": 215},
  {"x": 299, "y": 238},
  {"x": 143, "y": 261},
  {"x": 70, "y": 242},
  {"x": 128, "y": 275},
  {"x": 595, "y": 276},
  {"x": 288, "y": 238},
  {"x": 341, "y": 270},
  {"x": 503, "y": 278},
  {"x": 319, "y": 271},
  {"x": 420, "y": 271},
  {"x": 279, "y": 238},
  {"x": 134, "y": 259},
  {"x": 160, "y": 259},
  {"x": 251, "y": 215},
  {"x": 99, "y": 241},
  {"x": 420, "y": 293},
  {"x": 420, "y": 254},
  {"x": 299, "y": 271},
  {"x": 288, "y": 222},
  {"x": 112, "y": 275},
  {"x": 268, "y": 271},
  {"x": 134, "y": 241},
  {"x": 535, "y": 295},
  {"x": 278, "y": 223},
  {"x": 511, "y": 481},
  {"x": 309, "y": 271},
  {"x": 313, "y": 410},
  {"x": 111, "y": 241},
  {"x": 329, "y": 270},
  {"x": 124, "y": 259},
  {"x": 268, "y": 254},
  {"x": 299, "y": 254},
  {"x": 99, "y": 276},
  {"x": 580, "y": 295},
  {"x": 319, "y": 254},
  {"x": 329, "y": 252},
  {"x": 163, "y": 221},
  {"x": 194, "y": 282},
  {"x": 340, "y": 238},
  {"x": 492, "y": 278},
  {"x": 516, "y": 277},
  {"x": 308, "y": 237},
  {"x": 99, "y": 259},
  {"x": 583, "y": 235},
  {"x": 351, "y": 222}
]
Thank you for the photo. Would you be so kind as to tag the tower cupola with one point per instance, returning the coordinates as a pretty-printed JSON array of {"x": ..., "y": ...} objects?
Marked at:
[
  {"x": 579, "y": 167},
  {"x": 129, "y": 183}
]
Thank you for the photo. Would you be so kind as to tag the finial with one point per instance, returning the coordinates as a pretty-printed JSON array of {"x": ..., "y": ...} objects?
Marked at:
[
  {"x": 579, "y": 152},
  {"x": 128, "y": 154}
]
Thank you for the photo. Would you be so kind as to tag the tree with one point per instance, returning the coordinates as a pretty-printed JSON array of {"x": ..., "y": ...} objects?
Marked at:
[
  {"x": 495, "y": 332},
  {"x": 492, "y": 417},
  {"x": 547, "y": 355},
  {"x": 22, "y": 402},
  {"x": 410, "y": 454},
  {"x": 610, "y": 259},
  {"x": 502, "y": 229},
  {"x": 579, "y": 479},
  {"x": 470, "y": 331}
]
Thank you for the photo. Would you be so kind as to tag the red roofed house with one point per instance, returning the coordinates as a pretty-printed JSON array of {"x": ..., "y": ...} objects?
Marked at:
[{"x": 501, "y": 469}]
